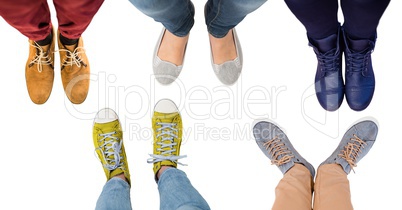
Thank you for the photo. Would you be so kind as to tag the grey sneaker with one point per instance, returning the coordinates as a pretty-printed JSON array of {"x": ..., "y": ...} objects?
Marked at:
[
  {"x": 276, "y": 146},
  {"x": 355, "y": 144}
]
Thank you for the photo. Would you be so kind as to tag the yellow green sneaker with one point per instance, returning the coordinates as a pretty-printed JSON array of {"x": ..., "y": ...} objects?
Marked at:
[
  {"x": 108, "y": 141},
  {"x": 167, "y": 131}
]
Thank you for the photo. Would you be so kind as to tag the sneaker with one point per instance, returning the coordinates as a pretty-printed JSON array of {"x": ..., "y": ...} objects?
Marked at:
[
  {"x": 274, "y": 143},
  {"x": 355, "y": 144},
  {"x": 108, "y": 141},
  {"x": 167, "y": 131},
  {"x": 359, "y": 76},
  {"x": 329, "y": 86},
  {"x": 75, "y": 71},
  {"x": 39, "y": 71}
]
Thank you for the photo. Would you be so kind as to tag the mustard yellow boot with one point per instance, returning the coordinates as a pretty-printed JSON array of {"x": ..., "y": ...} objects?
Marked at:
[
  {"x": 108, "y": 142},
  {"x": 75, "y": 70},
  {"x": 167, "y": 133},
  {"x": 39, "y": 71}
]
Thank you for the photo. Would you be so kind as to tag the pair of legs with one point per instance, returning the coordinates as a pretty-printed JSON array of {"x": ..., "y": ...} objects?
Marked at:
[
  {"x": 355, "y": 38},
  {"x": 175, "y": 189},
  {"x": 331, "y": 188},
  {"x": 177, "y": 17},
  {"x": 32, "y": 19},
  {"x": 320, "y": 18}
]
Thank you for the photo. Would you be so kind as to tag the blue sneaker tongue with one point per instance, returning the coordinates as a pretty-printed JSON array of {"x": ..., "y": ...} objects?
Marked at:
[
  {"x": 359, "y": 45},
  {"x": 326, "y": 44}
]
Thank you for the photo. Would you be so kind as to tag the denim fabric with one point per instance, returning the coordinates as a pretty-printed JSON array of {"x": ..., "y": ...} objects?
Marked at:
[
  {"x": 115, "y": 195},
  {"x": 177, "y": 16},
  {"x": 223, "y": 15},
  {"x": 175, "y": 190}
]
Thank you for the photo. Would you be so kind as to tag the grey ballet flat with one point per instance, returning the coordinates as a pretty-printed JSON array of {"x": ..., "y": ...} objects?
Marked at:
[
  {"x": 165, "y": 72},
  {"x": 229, "y": 71}
]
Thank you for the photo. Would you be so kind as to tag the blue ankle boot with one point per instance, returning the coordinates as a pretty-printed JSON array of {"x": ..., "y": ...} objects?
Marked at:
[
  {"x": 359, "y": 75},
  {"x": 329, "y": 86}
]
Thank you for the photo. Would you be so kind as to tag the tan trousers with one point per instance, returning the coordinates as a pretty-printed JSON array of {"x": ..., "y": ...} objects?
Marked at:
[{"x": 331, "y": 189}]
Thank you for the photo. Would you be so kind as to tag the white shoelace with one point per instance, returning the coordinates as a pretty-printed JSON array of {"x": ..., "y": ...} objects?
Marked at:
[
  {"x": 73, "y": 58},
  {"x": 167, "y": 132},
  {"x": 110, "y": 147},
  {"x": 42, "y": 58}
]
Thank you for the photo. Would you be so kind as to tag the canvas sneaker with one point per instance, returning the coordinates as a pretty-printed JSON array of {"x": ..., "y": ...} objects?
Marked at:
[
  {"x": 355, "y": 144},
  {"x": 167, "y": 133},
  {"x": 108, "y": 142},
  {"x": 274, "y": 143}
]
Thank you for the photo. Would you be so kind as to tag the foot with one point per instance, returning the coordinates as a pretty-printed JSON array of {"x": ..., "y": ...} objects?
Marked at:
[
  {"x": 172, "y": 48},
  {"x": 226, "y": 57},
  {"x": 75, "y": 71},
  {"x": 39, "y": 71},
  {"x": 274, "y": 143},
  {"x": 167, "y": 127},
  {"x": 328, "y": 80},
  {"x": 108, "y": 142},
  {"x": 355, "y": 144},
  {"x": 223, "y": 49},
  {"x": 359, "y": 76}
]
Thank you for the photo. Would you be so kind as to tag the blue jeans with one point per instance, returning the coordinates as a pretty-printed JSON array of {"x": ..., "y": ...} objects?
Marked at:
[
  {"x": 177, "y": 16},
  {"x": 175, "y": 191}
]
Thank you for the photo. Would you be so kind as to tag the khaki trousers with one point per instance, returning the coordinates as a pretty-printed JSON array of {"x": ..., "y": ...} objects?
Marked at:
[{"x": 331, "y": 189}]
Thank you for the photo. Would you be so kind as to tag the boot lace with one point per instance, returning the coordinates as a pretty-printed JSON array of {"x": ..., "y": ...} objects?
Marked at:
[
  {"x": 277, "y": 148},
  {"x": 328, "y": 61},
  {"x": 166, "y": 146},
  {"x": 357, "y": 62},
  {"x": 352, "y": 150},
  {"x": 110, "y": 150},
  {"x": 41, "y": 57},
  {"x": 73, "y": 58}
]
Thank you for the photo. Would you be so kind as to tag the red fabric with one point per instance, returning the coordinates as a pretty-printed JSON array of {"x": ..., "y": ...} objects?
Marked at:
[{"x": 32, "y": 17}]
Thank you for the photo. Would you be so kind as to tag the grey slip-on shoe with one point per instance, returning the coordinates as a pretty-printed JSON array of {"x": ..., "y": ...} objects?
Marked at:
[
  {"x": 165, "y": 72},
  {"x": 229, "y": 72}
]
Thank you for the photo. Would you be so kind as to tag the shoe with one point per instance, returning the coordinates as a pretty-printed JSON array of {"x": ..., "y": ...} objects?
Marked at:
[
  {"x": 165, "y": 72},
  {"x": 39, "y": 71},
  {"x": 108, "y": 142},
  {"x": 359, "y": 76},
  {"x": 75, "y": 71},
  {"x": 274, "y": 143},
  {"x": 167, "y": 131},
  {"x": 355, "y": 144},
  {"x": 229, "y": 72},
  {"x": 329, "y": 86}
]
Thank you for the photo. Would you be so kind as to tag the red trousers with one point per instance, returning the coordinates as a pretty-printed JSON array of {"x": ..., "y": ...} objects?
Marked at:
[{"x": 32, "y": 17}]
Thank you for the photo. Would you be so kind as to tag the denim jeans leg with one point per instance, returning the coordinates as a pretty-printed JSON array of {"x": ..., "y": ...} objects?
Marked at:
[
  {"x": 177, "y": 16},
  {"x": 223, "y": 15},
  {"x": 115, "y": 196},
  {"x": 176, "y": 192}
]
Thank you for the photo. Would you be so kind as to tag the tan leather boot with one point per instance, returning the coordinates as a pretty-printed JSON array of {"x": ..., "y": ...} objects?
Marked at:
[
  {"x": 39, "y": 71},
  {"x": 75, "y": 71}
]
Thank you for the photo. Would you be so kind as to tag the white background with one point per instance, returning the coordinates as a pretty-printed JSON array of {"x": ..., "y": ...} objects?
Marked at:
[{"x": 46, "y": 151}]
